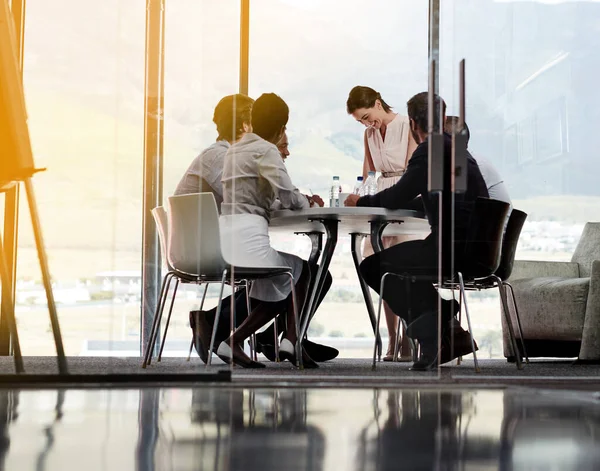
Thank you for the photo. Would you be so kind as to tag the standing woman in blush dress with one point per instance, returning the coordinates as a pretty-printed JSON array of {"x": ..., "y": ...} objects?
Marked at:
[{"x": 388, "y": 147}]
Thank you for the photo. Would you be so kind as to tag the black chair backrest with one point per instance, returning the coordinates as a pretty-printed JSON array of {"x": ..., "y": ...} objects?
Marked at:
[
  {"x": 484, "y": 242},
  {"x": 509, "y": 244}
]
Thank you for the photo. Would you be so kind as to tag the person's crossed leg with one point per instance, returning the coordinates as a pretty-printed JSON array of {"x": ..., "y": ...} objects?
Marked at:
[
  {"x": 266, "y": 339},
  {"x": 419, "y": 305},
  {"x": 201, "y": 323}
]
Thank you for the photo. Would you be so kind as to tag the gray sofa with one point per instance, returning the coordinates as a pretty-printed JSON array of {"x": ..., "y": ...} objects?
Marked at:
[{"x": 559, "y": 303}]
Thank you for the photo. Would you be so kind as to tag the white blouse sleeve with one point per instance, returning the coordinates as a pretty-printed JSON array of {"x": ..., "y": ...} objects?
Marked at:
[{"x": 273, "y": 170}]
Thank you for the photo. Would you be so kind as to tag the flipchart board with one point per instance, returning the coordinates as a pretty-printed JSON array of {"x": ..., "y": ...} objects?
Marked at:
[{"x": 16, "y": 159}]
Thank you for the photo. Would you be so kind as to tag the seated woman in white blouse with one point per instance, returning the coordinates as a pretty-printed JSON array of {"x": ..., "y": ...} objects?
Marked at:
[{"x": 254, "y": 176}]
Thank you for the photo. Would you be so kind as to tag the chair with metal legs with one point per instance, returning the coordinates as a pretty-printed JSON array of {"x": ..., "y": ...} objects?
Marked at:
[
  {"x": 407, "y": 278},
  {"x": 160, "y": 218},
  {"x": 480, "y": 261},
  {"x": 194, "y": 253},
  {"x": 509, "y": 249},
  {"x": 510, "y": 239},
  {"x": 275, "y": 344}
]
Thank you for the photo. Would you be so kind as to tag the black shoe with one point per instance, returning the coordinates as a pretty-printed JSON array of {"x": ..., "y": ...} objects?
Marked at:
[
  {"x": 201, "y": 333},
  {"x": 288, "y": 352},
  {"x": 268, "y": 350},
  {"x": 320, "y": 353},
  {"x": 426, "y": 324},
  {"x": 317, "y": 352},
  {"x": 460, "y": 347},
  {"x": 429, "y": 357}
]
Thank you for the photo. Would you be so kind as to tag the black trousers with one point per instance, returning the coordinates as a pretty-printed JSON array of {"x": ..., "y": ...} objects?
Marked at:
[
  {"x": 418, "y": 258},
  {"x": 241, "y": 312}
]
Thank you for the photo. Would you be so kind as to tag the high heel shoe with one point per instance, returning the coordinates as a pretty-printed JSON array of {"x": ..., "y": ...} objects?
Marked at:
[
  {"x": 389, "y": 356},
  {"x": 288, "y": 352},
  {"x": 241, "y": 359}
]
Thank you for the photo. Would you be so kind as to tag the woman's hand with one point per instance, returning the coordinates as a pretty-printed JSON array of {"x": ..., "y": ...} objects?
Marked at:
[
  {"x": 317, "y": 200},
  {"x": 351, "y": 200}
]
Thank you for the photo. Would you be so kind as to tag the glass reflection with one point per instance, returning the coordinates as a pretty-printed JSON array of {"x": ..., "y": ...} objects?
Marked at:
[
  {"x": 445, "y": 430},
  {"x": 307, "y": 429},
  {"x": 49, "y": 432},
  {"x": 148, "y": 431},
  {"x": 272, "y": 421},
  {"x": 9, "y": 402},
  {"x": 541, "y": 433},
  {"x": 419, "y": 429}
]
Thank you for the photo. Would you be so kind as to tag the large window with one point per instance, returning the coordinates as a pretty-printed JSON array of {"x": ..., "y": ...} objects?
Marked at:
[
  {"x": 532, "y": 109},
  {"x": 84, "y": 85}
]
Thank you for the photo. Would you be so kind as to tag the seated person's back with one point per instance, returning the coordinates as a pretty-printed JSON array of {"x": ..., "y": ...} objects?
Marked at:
[
  {"x": 254, "y": 176},
  {"x": 205, "y": 172},
  {"x": 463, "y": 202},
  {"x": 495, "y": 184}
]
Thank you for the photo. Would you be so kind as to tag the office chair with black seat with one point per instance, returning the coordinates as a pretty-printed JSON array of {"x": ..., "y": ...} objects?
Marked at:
[{"x": 479, "y": 260}]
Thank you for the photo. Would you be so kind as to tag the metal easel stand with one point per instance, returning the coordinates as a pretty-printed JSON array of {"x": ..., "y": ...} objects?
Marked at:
[{"x": 7, "y": 297}]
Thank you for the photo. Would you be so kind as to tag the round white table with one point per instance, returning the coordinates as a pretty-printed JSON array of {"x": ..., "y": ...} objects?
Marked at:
[{"x": 356, "y": 221}]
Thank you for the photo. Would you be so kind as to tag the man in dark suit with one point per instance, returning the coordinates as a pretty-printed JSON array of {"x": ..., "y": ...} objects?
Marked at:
[{"x": 420, "y": 257}]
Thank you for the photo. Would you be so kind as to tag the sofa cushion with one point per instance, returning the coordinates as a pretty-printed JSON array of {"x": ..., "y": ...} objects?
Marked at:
[{"x": 552, "y": 308}]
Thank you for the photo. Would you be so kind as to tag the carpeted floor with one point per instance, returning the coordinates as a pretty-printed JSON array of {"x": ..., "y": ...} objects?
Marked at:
[
  {"x": 356, "y": 372},
  {"x": 492, "y": 372}
]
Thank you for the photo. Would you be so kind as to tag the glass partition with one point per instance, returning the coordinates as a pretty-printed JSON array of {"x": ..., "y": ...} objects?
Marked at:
[
  {"x": 202, "y": 54},
  {"x": 312, "y": 53},
  {"x": 84, "y": 85},
  {"x": 531, "y": 107}
]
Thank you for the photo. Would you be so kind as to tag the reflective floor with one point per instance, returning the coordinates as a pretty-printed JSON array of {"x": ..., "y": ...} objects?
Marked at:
[{"x": 216, "y": 428}]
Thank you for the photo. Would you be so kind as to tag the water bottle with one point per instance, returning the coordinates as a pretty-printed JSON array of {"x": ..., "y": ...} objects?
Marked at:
[
  {"x": 334, "y": 193},
  {"x": 371, "y": 184},
  {"x": 358, "y": 187}
]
